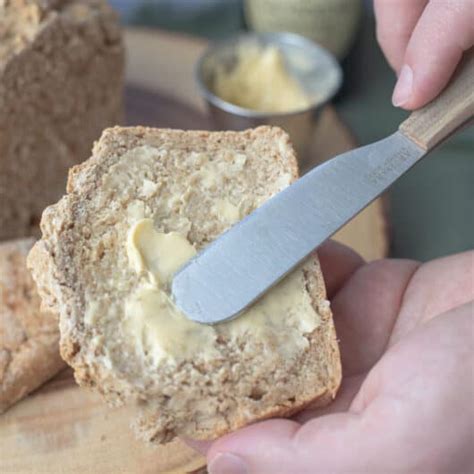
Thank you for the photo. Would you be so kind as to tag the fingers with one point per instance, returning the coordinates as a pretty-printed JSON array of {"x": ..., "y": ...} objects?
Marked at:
[
  {"x": 396, "y": 20},
  {"x": 338, "y": 263},
  {"x": 437, "y": 286},
  {"x": 284, "y": 446},
  {"x": 424, "y": 358},
  {"x": 443, "y": 32},
  {"x": 365, "y": 311}
]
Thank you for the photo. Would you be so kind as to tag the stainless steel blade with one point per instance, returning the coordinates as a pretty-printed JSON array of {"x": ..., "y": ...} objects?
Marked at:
[{"x": 242, "y": 264}]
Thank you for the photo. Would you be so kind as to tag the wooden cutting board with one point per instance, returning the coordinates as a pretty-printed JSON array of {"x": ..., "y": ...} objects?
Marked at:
[{"x": 63, "y": 429}]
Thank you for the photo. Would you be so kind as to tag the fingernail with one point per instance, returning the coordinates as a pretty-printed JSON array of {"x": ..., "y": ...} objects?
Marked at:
[
  {"x": 404, "y": 86},
  {"x": 226, "y": 463}
]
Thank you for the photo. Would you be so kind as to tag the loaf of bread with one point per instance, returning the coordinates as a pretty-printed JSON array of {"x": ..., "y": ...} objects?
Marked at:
[
  {"x": 145, "y": 202},
  {"x": 29, "y": 337},
  {"x": 61, "y": 68}
]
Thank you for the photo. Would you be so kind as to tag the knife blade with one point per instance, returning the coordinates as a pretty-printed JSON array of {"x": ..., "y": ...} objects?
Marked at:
[{"x": 243, "y": 263}]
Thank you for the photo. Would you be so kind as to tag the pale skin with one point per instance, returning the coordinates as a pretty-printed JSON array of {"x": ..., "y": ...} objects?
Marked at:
[
  {"x": 406, "y": 330},
  {"x": 423, "y": 40}
]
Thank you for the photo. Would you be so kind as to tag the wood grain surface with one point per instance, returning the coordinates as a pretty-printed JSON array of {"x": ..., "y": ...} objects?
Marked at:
[{"x": 64, "y": 429}]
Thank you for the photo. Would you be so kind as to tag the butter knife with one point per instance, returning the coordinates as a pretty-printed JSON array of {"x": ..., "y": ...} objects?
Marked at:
[{"x": 242, "y": 264}]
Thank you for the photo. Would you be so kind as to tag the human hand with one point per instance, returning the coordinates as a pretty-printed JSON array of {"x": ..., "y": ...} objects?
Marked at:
[
  {"x": 423, "y": 41},
  {"x": 405, "y": 404}
]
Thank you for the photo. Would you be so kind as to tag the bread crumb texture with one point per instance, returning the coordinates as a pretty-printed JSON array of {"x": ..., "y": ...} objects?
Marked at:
[
  {"x": 61, "y": 79},
  {"x": 195, "y": 184}
]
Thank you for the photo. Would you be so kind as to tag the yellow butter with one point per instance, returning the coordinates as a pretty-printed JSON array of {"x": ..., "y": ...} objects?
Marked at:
[
  {"x": 161, "y": 330},
  {"x": 227, "y": 211},
  {"x": 157, "y": 253},
  {"x": 278, "y": 321},
  {"x": 260, "y": 81}
]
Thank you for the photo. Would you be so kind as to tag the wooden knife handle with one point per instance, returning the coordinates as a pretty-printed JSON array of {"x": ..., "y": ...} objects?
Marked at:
[{"x": 431, "y": 124}]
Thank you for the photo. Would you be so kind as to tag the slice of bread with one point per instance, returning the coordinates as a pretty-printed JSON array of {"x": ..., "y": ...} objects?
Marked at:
[
  {"x": 29, "y": 337},
  {"x": 61, "y": 79},
  {"x": 196, "y": 184}
]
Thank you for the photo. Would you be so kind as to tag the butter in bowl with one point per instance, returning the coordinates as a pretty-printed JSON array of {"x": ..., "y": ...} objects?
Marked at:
[{"x": 278, "y": 79}]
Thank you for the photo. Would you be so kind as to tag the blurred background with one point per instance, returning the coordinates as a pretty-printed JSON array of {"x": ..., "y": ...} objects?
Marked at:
[{"x": 431, "y": 209}]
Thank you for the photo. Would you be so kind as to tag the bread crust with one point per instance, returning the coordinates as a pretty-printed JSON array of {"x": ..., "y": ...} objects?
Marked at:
[
  {"x": 61, "y": 289},
  {"x": 61, "y": 68},
  {"x": 29, "y": 337}
]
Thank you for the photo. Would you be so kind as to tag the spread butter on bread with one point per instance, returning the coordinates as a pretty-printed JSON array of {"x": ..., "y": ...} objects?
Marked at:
[{"x": 145, "y": 202}]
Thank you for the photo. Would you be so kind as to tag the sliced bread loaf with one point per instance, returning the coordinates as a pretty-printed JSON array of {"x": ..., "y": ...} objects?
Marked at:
[
  {"x": 29, "y": 337},
  {"x": 172, "y": 192},
  {"x": 61, "y": 68}
]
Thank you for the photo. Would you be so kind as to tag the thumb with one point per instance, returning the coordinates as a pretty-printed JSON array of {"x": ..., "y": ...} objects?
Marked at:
[
  {"x": 284, "y": 446},
  {"x": 443, "y": 32}
]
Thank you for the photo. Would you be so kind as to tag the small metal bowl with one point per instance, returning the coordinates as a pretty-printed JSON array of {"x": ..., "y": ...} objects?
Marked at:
[{"x": 314, "y": 68}]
